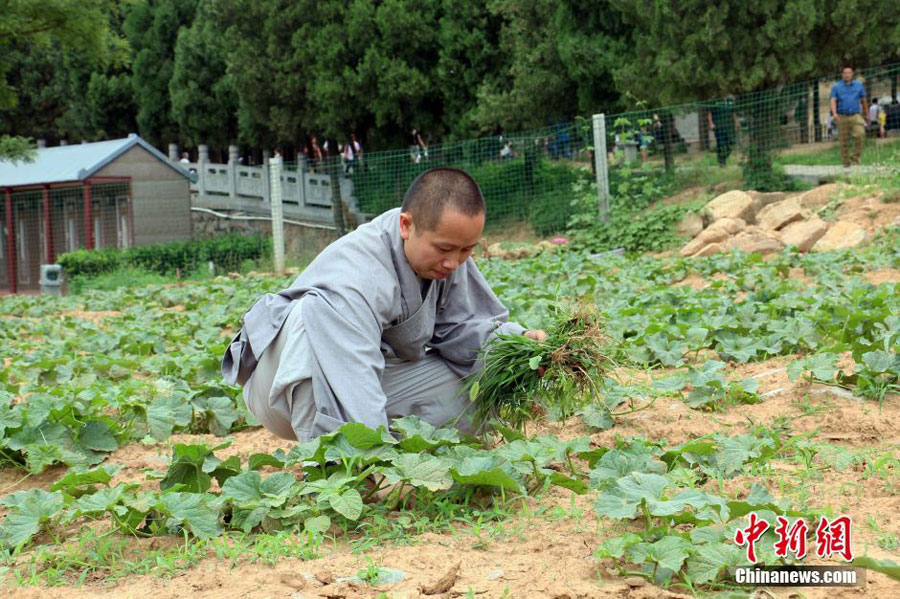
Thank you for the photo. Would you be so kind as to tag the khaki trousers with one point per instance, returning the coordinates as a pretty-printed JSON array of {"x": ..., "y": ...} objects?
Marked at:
[
  {"x": 851, "y": 125},
  {"x": 279, "y": 392}
]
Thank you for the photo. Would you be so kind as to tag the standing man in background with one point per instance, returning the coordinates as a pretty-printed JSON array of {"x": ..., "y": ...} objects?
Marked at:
[
  {"x": 848, "y": 105},
  {"x": 721, "y": 121}
]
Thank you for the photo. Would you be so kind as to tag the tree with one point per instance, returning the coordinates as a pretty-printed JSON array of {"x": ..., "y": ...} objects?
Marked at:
[
  {"x": 76, "y": 25},
  {"x": 204, "y": 104},
  {"x": 685, "y": 50},
  {"x": 559, "y": 55},
  {"x": 152, "y": 28}
]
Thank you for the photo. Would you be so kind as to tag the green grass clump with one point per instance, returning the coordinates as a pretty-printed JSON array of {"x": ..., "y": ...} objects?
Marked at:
[{"x": 522, "y": 377}]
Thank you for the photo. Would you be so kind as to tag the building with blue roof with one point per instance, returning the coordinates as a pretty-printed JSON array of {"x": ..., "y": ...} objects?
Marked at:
[{"x": 116, "y": 193}]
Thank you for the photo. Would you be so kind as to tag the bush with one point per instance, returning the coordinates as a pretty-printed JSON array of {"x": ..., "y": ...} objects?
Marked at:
[
  {"x": 634, "y": 223},
  {"x": 91, "y": 263},
  {"x": 227, "y": 253}
]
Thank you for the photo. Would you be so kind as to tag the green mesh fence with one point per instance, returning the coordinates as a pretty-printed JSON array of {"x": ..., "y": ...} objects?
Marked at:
[
  {"x": 759, "y": 140},
  {"x": 763, "y": 136},
  {"x": 525, "y": 177}
]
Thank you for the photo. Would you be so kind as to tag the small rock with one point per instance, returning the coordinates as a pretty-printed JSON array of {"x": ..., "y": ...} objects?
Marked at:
[
  {"x": 733, "y": 204},
  {"x": 496, "y": 574},
  {"x": 445, "y": 583},
  {"x": 804, "y": 233},
  {"x": 294, "y": 581},
  {"x": 764, "y": 198},
  {"x": 702, "y": 240},
  {"x": 690, "y": 226},
  {"x": 324, "y": 576},
  {"x": 819, "y": 196},
  {"x": 709, "y": 250},
  {"x": 729, "y": 225},
  {"x": 635, "y": 582},
  {"x": 841, "y": 235},
  {"x": 776, "y": 216},
  {"x": 755, "y": 239}
]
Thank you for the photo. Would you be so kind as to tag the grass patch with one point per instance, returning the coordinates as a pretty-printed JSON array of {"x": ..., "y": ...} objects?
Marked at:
[{"x": 873, "y": 153}]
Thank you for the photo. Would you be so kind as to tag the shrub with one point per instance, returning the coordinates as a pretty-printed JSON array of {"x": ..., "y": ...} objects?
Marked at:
[
  {"x": 634, "y": 222},
  {"x": 227, "y": 252}
]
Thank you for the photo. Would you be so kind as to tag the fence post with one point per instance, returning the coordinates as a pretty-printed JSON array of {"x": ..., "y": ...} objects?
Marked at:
[
  {"x": 602, "y": 166},
  {"x": 277, "y": 214}
]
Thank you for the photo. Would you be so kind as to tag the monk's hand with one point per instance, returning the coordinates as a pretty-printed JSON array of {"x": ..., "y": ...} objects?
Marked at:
[{"x": 536, "y": 334}]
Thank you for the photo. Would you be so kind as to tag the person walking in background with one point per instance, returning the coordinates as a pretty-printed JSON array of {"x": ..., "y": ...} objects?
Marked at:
[
  {"x": 185, "y": 158},
  {"x": 357, "y": 149},
  {"x": 721, "y": 121},
  {"x": 316, "y": 153},
  {"x": 882, "y": 122},
  {"x": 348, "y": 158},
  {"x": 874, "y": 111},
  {"x": 417, "y": 148},
  {"x": 848, "y": 105}
]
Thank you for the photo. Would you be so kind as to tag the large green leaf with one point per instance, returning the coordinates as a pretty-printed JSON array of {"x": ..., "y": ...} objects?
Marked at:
[
  {"x": 418, "y": 435},
  {"x": 421, "y": 470},
  {"x": 348, "y": 504},
  {"x": 710, "y": 559},
  {"x": 78, "y": 481},
  {"x": 887, "y": 567},
  {"x": 669, "y": 552},
  {"x": 96, "y": 435},
  {"x": 29, "y": 510},
  {"x": 624, "y": 498},
  {"x": 197, "y": 512},
  {"x": 165, "y": 413},
  {"x": 485, "y": 469},
  {"x": 617, "y": 463}
]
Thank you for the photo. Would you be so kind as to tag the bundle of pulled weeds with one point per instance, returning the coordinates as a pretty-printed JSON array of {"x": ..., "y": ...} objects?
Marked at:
[{"x": 522, "y": 377}]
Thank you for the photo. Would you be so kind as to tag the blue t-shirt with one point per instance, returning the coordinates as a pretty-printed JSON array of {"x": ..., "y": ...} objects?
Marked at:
[{"x": 848, "y": 96}]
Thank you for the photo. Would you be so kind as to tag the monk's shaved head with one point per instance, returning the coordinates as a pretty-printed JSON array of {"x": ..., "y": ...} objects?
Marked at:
[{"x": 437, "y": 189}]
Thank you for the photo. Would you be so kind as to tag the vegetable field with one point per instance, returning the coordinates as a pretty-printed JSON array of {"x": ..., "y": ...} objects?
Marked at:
[{"x": 741, "y": 385}]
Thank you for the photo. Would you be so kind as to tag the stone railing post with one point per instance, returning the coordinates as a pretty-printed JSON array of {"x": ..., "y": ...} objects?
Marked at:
[
  {"x": 173, "y": 152},
  {"x": 202, "y": 162},
  {"x": 233, "y": 155}
]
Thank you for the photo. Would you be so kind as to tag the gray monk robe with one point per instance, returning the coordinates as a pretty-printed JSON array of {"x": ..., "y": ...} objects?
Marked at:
[{"x": 363, "y": 315}]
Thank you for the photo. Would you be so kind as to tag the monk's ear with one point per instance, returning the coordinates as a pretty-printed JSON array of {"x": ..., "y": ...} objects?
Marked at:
[{"x": 405, "y": 225}]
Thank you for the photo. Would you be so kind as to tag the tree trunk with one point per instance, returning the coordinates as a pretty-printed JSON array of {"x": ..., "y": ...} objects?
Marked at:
[
  {"x": 803, "y": 113},
  {"x": 337, "y": 203},
  {"x": 817, "y": 114},
  {"x": 703, "y": 116}
]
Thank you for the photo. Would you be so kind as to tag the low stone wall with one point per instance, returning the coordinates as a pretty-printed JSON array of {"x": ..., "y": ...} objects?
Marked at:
[{"x": 301, "y": 243}]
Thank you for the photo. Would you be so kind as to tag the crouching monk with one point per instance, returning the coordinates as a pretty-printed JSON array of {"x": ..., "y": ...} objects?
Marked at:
[{"x": 384, "y": 323}]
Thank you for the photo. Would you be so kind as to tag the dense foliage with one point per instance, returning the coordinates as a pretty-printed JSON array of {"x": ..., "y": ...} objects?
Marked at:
[{"x": 268, "y": 72}]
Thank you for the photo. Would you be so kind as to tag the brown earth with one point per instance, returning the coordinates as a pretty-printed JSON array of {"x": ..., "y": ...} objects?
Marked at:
[{"x": 884, "y": 275}]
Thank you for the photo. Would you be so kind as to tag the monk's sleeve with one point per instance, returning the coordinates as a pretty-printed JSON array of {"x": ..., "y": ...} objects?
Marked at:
[
  {"x": 345, "y": 335},
  {"x": 469, "y": 316}
]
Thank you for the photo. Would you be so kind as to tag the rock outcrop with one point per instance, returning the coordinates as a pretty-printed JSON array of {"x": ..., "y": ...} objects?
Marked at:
[{"x": 768, "y": 222}]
